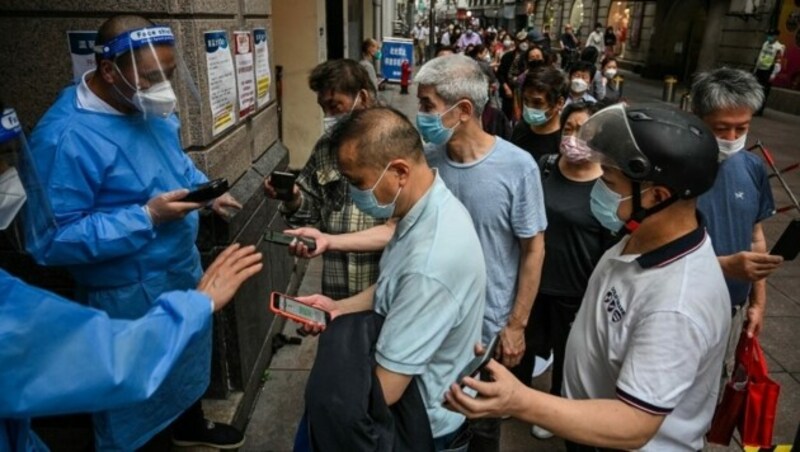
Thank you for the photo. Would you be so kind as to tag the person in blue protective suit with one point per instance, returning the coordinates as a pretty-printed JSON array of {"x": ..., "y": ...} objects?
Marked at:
[
  {"x": 44, "y": 336},
  {"x": 109, "y": 154}
]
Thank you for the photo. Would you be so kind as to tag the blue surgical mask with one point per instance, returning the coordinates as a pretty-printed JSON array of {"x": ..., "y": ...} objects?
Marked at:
[
  {"x": 604, "y": 204},
  {"x": 366, "y": 201},
  {"x": 431, "y": 128},
  {"x": 534, "y": 116}
]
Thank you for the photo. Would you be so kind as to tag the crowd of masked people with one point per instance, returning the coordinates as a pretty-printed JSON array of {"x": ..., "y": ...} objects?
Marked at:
[{"x": 622, "y": 241}]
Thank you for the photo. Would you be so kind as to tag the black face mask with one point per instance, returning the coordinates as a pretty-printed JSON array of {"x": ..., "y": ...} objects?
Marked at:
[{"x": 535, "y": 64}]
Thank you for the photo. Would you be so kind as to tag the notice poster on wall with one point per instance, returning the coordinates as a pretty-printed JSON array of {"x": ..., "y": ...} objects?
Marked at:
[
  {"x": 81, "y": 50},
  {"x": 243, "y": 51},
  {"x": 221, "y": 80},
  {"x": 263, "y": 74}
]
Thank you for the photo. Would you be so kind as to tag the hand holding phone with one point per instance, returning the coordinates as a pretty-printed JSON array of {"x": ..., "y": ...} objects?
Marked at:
[
  {"x": 283, "y": 184},
  {"x": 208, "y": 191},
  {"x": 788, "y": 245},
  {"x": 479, "y": 362},
  {"x": 285, "y": 239},
  {"x": 294, "y": 309}
]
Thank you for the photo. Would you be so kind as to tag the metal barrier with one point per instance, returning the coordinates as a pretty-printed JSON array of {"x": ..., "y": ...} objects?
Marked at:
[{"x": 777, "y": 173}]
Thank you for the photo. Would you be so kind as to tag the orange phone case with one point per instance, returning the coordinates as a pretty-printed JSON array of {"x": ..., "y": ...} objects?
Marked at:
[{"x": 272, "y": 307}]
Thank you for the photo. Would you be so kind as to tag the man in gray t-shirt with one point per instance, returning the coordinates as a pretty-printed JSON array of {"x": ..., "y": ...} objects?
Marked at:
[
  {"x": 502, "y": 192},
  {"x": 499, "y": 184}
]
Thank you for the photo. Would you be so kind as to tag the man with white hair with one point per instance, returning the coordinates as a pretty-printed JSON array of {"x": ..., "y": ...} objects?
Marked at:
[
  {"x": 741, "y": 198},
  {"x": 500, "y": 186}
]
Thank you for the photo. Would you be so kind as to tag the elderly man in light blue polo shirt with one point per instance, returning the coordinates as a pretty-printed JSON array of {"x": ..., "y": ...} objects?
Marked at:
[{"x": 432, "y": 274}]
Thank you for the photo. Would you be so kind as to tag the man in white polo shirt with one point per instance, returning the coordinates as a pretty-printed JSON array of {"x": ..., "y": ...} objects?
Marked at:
[{"x": 643, "y": 357}]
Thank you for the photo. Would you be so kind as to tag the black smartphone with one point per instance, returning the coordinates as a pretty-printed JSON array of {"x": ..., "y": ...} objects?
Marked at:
[
  {"x": 283, "y": 239},
  {"x": 788, "y": 245},
  {"x": 283, "y": 183},
  {"x": 480, "y": 361},
  {"x": 208, "y": 191}
]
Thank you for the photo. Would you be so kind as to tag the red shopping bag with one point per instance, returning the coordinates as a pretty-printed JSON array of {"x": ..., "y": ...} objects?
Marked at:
[
  {"x": 731, "y": 409},
  {"x": 761, "y": 405},
  {"x": 750, "y": 399}
]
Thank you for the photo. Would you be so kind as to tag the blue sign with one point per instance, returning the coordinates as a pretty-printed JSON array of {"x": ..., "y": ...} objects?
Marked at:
[{"x": 393, "y": 53}]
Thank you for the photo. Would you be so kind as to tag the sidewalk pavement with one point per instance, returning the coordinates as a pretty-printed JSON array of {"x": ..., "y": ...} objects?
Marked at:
[{"x": 275, "y": 416}]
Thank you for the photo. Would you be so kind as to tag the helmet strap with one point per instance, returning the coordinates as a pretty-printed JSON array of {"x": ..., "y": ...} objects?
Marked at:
[{"x": 639, "y": 212}]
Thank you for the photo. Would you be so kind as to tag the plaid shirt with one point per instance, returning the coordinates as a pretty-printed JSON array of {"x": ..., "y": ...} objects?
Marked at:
[{"x": 327, "y": 205}]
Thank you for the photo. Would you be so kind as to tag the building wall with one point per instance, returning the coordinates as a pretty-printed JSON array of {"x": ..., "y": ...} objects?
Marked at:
[
  {"x": 304, "y": 21},
  {"x": 38, "y": 66}
]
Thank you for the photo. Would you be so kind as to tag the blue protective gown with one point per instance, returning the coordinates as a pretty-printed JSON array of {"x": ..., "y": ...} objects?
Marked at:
[
  {"x": 59, "y": 357},
  {"x": 99, "y": 170}
]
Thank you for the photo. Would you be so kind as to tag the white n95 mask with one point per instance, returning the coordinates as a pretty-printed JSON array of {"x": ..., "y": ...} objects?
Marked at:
[
  {"x": 12, "y": 197},
  {"x": 158, "y": 100}
]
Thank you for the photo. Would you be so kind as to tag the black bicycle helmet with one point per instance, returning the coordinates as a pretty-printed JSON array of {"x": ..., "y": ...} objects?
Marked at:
[{"x": 657, "y": 144}]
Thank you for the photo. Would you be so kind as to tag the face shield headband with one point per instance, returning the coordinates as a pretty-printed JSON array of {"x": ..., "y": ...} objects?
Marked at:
[
  {"x": 135, "y": 39},
  {"x": 25, "y": 211}
]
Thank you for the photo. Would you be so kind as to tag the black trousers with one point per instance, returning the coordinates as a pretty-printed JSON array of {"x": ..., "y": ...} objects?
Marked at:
[
  {"x": 548, "y": 329},
  {"x": 763, "y": 75}
]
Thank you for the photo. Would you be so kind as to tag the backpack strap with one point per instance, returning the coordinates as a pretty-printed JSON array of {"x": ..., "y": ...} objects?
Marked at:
[{"x": 546, "y": 164}]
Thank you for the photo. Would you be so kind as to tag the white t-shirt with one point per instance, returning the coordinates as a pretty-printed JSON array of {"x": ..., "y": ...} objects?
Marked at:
[
  {"x": 652, "y": 332},
  {"x": 596, "y": 40}
]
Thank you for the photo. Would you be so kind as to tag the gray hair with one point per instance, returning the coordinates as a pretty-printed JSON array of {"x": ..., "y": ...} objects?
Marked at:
[
  {"x": 454, "y": 78},
  {"x": 725, "y": 88}
]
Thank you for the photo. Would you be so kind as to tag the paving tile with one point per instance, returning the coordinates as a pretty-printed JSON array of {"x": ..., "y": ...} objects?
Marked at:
[
  {"x": 277, "y": 412},
  {"x": 780, "y": 338},
  {"x": 788, "y": 417}
]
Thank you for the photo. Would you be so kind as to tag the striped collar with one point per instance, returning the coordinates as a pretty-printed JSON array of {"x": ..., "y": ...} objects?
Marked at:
[{"x": 675, "y": 249}]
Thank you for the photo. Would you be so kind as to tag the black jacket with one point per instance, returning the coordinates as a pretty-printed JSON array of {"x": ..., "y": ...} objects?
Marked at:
[{"x": 344, "y": 400}]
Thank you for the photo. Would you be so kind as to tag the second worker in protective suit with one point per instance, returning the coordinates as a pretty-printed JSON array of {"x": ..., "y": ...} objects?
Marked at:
[{"x": 109, "y": 154}]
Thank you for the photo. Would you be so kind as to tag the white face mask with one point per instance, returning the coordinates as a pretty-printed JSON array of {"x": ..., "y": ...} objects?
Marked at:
[
  {"x": 158, "y": 100},
  {"x": 579, "y": 85},
  {"x": 12, "y": 197},
  {"x": 329, "y": 122},
  {"x": 610, "y": 73},
  {"x": 729, "y": 147}
]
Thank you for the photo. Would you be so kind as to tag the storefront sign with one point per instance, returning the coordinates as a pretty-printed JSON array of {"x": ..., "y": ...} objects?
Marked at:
[{"x": 393, "y": 53}]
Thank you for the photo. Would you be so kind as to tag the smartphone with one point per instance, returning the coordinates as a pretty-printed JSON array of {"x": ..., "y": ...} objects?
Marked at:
[
  {"x": 479, "y": 362},
  {"x": 788, "y": 245},
  {"x": 284, "y": 239},
  {"x": 286, "y": 306},
  {"x": 283, "y": 183},
  {"x": 208, "y": 191}
]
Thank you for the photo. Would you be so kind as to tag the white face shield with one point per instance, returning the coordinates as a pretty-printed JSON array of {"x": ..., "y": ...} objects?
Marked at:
[
  {"x": 607, "y": 134},
  {"x": 148, "y": 63},
  {"x": 25, "y": 214}
]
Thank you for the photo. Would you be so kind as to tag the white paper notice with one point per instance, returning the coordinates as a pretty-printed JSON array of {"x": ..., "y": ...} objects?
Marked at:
[
  {"x": 263, "y": 75},
  {"x": 221, "y": 80},
  {"x": 243, "y": 51},
  {"x": 81, "y": 49}
]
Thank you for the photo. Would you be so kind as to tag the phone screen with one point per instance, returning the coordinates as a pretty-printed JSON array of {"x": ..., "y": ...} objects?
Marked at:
[
  {"x": 788, "y": 245},
  {"x": 305, "y": 311},
  {"x": 479, "y": 362},
  {"x": 283, "y": 239},
  {"x": 278, "y": 237}
]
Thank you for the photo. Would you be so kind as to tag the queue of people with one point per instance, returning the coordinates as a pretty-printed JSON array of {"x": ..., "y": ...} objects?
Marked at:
[{"x": 601, "y": 233}]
